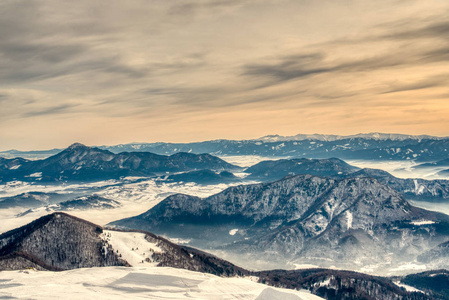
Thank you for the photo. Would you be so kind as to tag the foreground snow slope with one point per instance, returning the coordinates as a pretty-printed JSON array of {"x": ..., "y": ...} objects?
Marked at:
[{"x": 136, "y": 283}]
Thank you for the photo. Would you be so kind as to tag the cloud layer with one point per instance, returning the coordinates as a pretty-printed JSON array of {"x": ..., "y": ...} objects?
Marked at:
[{"x": 105, "y": 72}]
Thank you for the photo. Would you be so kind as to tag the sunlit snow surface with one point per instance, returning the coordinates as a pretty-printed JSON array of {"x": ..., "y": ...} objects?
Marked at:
[
  {"x": 407, "y": 287},
  {"x": 136, "y": 283},
  {"x": 132, "y": 247}
]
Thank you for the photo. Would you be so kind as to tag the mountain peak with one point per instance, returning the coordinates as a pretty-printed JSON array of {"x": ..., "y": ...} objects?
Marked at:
[{"x": 77, "y": 146}]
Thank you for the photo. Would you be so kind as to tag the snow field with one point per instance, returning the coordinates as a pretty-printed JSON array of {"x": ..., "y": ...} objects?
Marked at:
[
  {"x": 132, "y": 246},
  {"x": 137, "y": 283}
]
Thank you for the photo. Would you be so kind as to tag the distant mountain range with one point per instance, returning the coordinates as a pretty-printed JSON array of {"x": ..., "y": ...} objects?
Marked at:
[
  {"x": 333, "y": 137},
  {"x": 302, "y": 218},
  {"x": 59, "y": 242},
  {"x": 82, "y": 163},
  {"x": 371, "y": 146}
]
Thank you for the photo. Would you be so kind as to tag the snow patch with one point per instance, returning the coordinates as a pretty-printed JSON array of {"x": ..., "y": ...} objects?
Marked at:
[
  {"x": 35, "y": 175},
  {"x": 419, "y": 189},
  {"x": 409, "y": 267},
  {"x": 407, "y": 287},
  {"x": 349, "y": 219},
  {"x": 325, "y": 282},
  {"x": 132, "y": 246},
  {"x": 305, "y": 266},
  {"x": 423, "y": 222},
  {"x": 233, "y": 231},
  {"x": 178, "y": 241},
  {"x": 241, "y": 175}
]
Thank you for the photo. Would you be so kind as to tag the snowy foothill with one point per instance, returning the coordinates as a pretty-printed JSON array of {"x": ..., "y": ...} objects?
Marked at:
[{"x": 137, "y": 283}]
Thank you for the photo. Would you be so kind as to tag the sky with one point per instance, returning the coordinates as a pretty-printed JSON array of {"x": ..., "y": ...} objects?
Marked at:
[{"x": 110, "y": 72}]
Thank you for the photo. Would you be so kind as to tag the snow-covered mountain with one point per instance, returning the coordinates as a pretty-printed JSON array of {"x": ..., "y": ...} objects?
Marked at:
[
  {"x": 411, "y": 188},
  {"x": 56, "y": 242},
  {"x": 413, "y": 148},
  {"x": 149, "y": 265},
  {"x": 333, "y": 137},
  {"x": 305, "y": 218},
  {"x": 372, "y": 146},
  {"x": 60, "y": 241},
  {"x": 81, "y": 163}
]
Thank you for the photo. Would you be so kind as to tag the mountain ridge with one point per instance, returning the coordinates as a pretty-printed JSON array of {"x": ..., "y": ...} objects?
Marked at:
[
  {"x": 378, "y": 146},
  {"x": 300, "y": 216},
  {"x": 335, "y": 137},
  {"x": 81, "y": 163}
]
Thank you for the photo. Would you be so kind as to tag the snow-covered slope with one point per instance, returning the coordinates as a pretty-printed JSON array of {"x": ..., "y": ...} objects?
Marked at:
[
  {"x": 137, "y": 283},
  {"x": 132, "y": 247},
  {"x": 60, "y": 242}
]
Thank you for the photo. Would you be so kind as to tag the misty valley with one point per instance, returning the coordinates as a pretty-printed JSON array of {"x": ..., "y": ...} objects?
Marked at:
[{"x": 326, "y": 226}]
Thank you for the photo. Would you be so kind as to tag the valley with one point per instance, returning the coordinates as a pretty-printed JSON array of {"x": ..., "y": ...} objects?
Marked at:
[{"x": 377, "y": 217}]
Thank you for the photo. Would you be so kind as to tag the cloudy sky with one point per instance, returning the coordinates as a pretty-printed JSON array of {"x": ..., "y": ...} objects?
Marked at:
[{"x": 108, "y": 72}]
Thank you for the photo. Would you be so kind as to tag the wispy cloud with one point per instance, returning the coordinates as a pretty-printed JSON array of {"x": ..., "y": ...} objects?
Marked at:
[
  {"x": 199, "y": 69},
  {"x": 59, "y": 109}
]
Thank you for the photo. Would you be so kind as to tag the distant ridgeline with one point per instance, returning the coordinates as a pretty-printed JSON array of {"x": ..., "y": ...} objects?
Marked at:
[
  {"x": 81, "y": 163},
  {"x": 374, "y": 146},
  {"x": 354, "y": 148}
]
